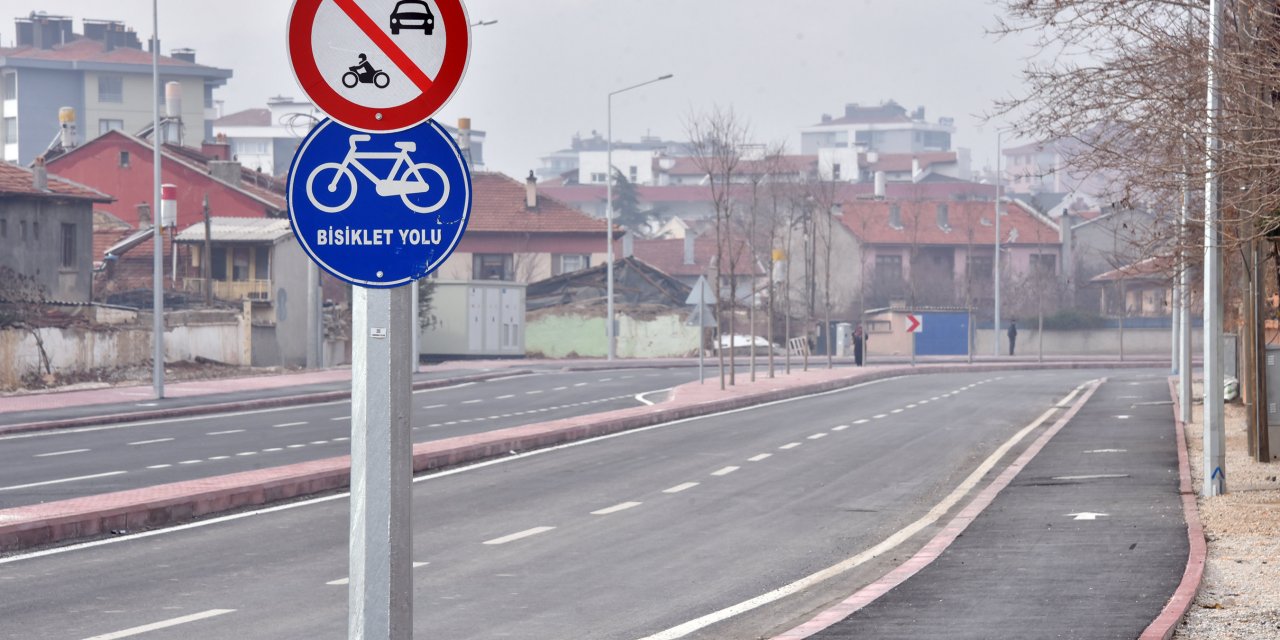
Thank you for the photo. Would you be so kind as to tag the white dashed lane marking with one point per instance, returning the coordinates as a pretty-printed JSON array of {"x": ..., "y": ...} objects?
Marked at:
[
  {"x": 63, "y": 480},
  {"x": 615, "y": 508},
  {"x": 817, "y": 436},
  {"x": 725, "y": 471},
  {"x": 790, "y": 445},
  {"x": 681, "y": 487},
  {"x": 156, "y": 441},
  {"x": 223, "y": 433},
  {"x": 759, "y": 457},
  {"x": 293, "y": 424},
  {"x": 519, "y": 535},
  {"x": 60, "y": 453},
  {"x": 434, "y": 406}
]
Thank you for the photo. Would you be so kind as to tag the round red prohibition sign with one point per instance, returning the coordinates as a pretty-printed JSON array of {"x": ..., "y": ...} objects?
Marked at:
[{"x": 379, "y": 65}]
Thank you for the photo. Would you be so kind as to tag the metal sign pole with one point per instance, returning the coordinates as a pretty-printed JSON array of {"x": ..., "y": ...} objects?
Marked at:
[
  {"x": 380, "y": 595},
  {"x": 313, "y": 316}
]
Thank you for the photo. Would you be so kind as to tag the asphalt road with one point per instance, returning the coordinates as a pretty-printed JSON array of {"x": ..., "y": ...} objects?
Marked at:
[
  {"x": 58, "y": 464},
  {"x": 634, "y": 536}
]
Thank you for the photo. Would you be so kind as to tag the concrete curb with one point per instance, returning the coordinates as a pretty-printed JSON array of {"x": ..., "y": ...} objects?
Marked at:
[
  {"x": 1180, "y": 602},
  {"x": 34, "y": 525},
  {"x": 240, "y": 405}
]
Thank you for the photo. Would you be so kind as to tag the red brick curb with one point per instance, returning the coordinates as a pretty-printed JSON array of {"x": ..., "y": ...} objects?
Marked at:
[
  {"x": 150, "y": 507},
  {"x": 241, "y": 405},
  {"x": 1166, "y": 623}
]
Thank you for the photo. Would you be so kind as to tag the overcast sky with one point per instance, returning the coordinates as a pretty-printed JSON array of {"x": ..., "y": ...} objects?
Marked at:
[{"x": 543, "y": 71}]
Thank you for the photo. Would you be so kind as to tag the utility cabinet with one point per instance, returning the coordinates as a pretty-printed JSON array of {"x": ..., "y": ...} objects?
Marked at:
[
  {"x": 1273, "y": 400},
  {"x": 475, "y": 319}
]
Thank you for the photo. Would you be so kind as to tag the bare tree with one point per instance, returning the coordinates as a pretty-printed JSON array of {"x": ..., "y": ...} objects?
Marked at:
[{"x": 716, "y": 141}]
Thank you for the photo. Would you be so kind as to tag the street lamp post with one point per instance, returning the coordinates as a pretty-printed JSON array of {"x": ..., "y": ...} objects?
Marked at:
[
  {"x": 157, "y": 286},
  {"x": 610, "y": 329},
  {"x": 996, "y": 264}
]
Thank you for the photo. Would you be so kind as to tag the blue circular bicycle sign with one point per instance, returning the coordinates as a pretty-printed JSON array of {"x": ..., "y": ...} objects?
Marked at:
[{"x": 379, "y": 210}]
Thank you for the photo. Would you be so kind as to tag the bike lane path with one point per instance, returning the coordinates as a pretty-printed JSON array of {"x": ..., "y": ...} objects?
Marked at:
[{"x": 1088, "y": 540}]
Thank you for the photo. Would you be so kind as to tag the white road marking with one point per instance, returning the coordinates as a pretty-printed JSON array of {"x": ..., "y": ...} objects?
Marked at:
[
  {"x": 342, "y": 439},
  {"x": 935, "y": 398},
  {"x": 340, "y": 418},
  {"x": 215, "y": 458},
  {"x": 163, "y": 624},
  {"x": 560, "y": 388},
  {"x": 862, "y": 421},
  {"x": 844, "y": 566},
  {"x": 725, "y": 471},
  {"x": 759, "y": 457},
  {"x": 435, "y": 406},
  {"x": 817, "y": 436},
  {"x": 520, "y": 535},
  {"x": 273, "y": 449},
  {"x": 880, "y": 415},
  {"x": 223, "y": 433},
  {"x": 681, "y": 487},
  {"x": 344, "y": 581},
  {"x": 191, "y": 462},
  {"x": 142, "y": 442},
  {"x": 47, "y": 482},
  {"x": 581, "y": 384},
  {"x": 790, "y": 446},
  {"x": 475, "y": 401},
  {"x": 923, "y": 402},
  {"x": 840, "y": 427},
  {"x": 160, "y": 466},
  {"x": 616, "y": 508},
  {"x": 509, "y": 395},
  {"x": 295, "y": 446},
  {"x": 59, "y": 453},
  {"x": 911, "y": 406},
  {"x": 1108, "y": 451},
  {"x": 319, "y": 442},
  {"x": 1123, "y": 417},
  {"x": 605, "y": 379},
  {"x": 533, "y": 393},
  {"x": 1100, "y": 476},
  {"x": 1087, "y": 515},
  {"x": 247, "y": 453},
  {"x": 291, "y": 424},
  {"x": 896, "y": 411}
]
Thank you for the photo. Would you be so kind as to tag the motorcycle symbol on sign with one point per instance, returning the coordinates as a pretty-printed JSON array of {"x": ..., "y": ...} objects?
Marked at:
[
  {"x": 364, "y": 73},
  {"x": 403, "y": 183}
]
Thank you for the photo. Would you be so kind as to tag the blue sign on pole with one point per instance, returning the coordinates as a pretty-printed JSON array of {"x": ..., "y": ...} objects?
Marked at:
[{"x": 379, "y": 210}]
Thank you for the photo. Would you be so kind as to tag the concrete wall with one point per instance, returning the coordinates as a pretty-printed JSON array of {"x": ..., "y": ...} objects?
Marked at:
[
  {"x": 78, "y": 349},
  {"x": 559, "y": 336},
  {"x": 289, "y": 295},
  {"x": 1093, "y": 342},
  {"x": 32, "y": 241}
]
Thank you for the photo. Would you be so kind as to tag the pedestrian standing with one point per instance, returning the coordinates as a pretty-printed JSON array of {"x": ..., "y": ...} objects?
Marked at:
[
  {"x": 1013, "y": 335},
  {"x": 859, "y": 342}
]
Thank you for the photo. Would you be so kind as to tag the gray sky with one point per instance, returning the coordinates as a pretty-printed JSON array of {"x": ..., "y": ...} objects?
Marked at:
[{"x": 543, "y": 72}]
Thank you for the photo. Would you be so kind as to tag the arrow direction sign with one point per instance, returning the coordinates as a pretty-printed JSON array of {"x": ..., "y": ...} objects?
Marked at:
[
  {"x": 1086, "y": 515},
  {"x": 915, "y": 324}
]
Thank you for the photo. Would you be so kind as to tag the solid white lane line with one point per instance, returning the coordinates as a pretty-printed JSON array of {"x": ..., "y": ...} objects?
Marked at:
[
  {"x": 163, "y": 624},
  {"x": 790, "y": 446},
  {"x": 840, "y": 427},
  {"x": 615, "y": 508},
  {"x": 725, "y": 471},
  {"x": 160, "y": 466},
  {"x": 142, "y": 442},
  {"x": 760, "y": 457},
  {"x": 223, "y": 433},
  {"x": 680, "y": 487},
  {"x": 817, "y": 436},
  {"x": 435, "y": 406},
  {"x": 509, "y": 395},
  {"x": 59, "y": 453},
  {"x": 1099, "y": 476},
  {"x": 288, "y": 424},
  {"x": 47, "y": 482},
  {"x": 343, "y": 581},
  {"x": 862, "y": 421},
  {"x": 520, "y": 535}
]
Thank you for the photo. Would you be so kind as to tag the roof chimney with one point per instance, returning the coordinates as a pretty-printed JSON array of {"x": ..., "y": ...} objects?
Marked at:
[
  {"x": 464, "y": 139},
  {"x": 40, "y": 175},
  {"x": 915, "y": 170},
  {"x": 531, "y": 192},
  {"x": 880, "y": 179},
  {"x": 689, "y": 239}
]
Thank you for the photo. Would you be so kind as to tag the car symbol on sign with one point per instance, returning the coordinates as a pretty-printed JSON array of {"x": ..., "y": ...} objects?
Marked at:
[{"x": 412, "y": 14}]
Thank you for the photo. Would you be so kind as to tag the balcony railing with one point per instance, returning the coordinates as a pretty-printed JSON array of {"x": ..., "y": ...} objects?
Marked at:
[{"x": 231, "y": 289}]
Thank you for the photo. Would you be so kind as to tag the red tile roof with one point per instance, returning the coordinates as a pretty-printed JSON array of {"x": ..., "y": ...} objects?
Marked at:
[
  {"x": 869, "y": 222},
  {"x": 19, "y": 181},
  {"x": 246, "y": 118},
  {"x": 668, "y": 255},
  {"x": 498, "y": 205},
  {"x": 87, "y": 50}
]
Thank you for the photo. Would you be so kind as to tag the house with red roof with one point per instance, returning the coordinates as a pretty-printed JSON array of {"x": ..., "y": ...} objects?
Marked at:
[
  {"x": 46, "y": 226},
  {"x": 103, "y": 74},
  {"x": 517, "y": 234},
  {"x": 694, "y": 256}
]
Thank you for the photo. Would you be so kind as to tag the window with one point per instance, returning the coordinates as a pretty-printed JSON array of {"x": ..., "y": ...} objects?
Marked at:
[
  {"x": 111, "y": 89},
  {"x": 124, "y": 159},
  {"x": 11, "y": 131},
  {"x": 889, "y": 268},
  {"x": 944, "y": 222},
  {"x": 261, "y": 263},
  {"x": 895, "y": 216},
  {"x": 633, "y": 174},
  {"x": 10, "y": 86},
  {"x": 598, "y": 178},
  {"x": 68, "y": 245},
  {"x": 569, "y": 262},
  {"x": 108, "y": 124},
  {"x": 835, "y": 171},
  {"x": 240, "y": 264},
  {"x": 218, "y": 267},
  {"x": 35, "y": 230},
  {"x": 980, "y": 267},
  {"x": 1044, "y": 264},
  {"x": 492, "y": 266}
]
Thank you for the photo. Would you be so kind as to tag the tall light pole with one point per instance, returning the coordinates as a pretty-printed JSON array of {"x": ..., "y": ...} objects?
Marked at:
[
  {"x": 995, "y": 270},
  {"x": 609, "y": 329},
  {"x": 1215, "y": 460},
  {"x": 157, "y": 285}
]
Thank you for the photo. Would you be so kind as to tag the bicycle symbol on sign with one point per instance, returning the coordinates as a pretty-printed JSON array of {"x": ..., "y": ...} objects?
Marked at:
[{"x": 406, "y": 183}]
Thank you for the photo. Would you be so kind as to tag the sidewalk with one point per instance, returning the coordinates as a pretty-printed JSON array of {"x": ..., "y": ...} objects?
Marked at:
[{"x": 1239, "y": 598}]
